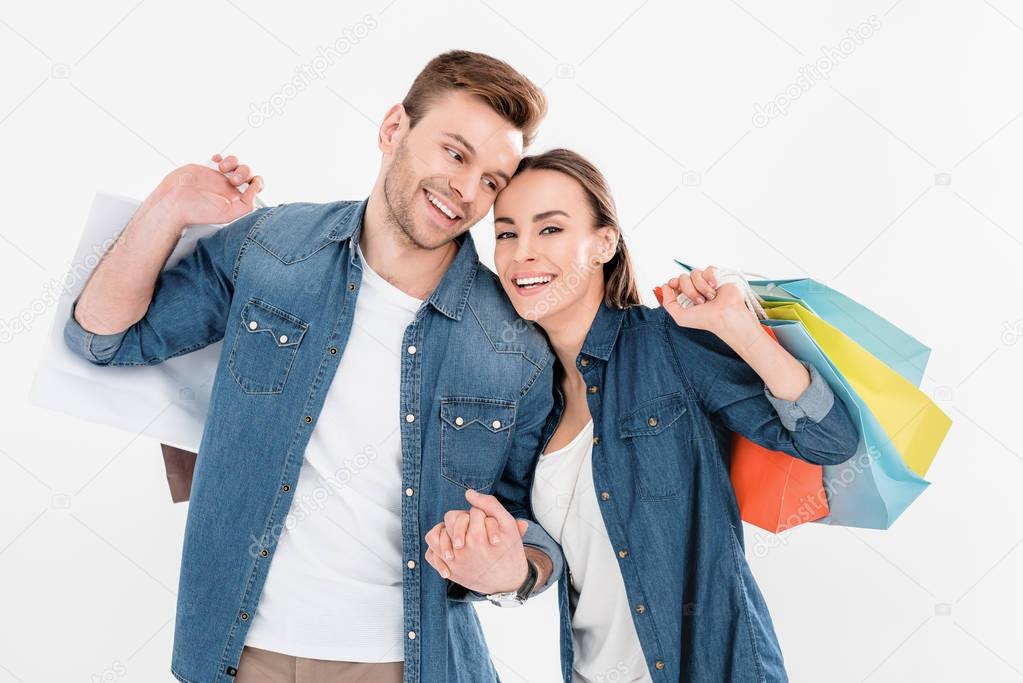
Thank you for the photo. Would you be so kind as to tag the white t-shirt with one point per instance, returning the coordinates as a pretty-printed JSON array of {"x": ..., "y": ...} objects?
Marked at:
[
  {"x": 334, "y": 587},
  {"x": 603, "y": 634}
]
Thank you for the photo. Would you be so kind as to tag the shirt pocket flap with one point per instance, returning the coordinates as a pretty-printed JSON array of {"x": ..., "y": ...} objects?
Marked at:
[
  {"x": 259, "y": 317},
  {"x": 654, "y": 416},
  {"x": 494, "y": 415}
]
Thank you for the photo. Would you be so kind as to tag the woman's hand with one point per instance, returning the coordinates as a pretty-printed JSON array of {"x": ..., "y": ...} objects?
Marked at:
[
  {"x": 721, "y": 310},
  {"x": 480, "y": 548}
]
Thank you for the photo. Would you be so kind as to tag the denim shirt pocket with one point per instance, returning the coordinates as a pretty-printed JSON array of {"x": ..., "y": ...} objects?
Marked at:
[
  {"x": 653, "y": 434},
  {"x": 474, "y": 436},
  {"x": 264, "y": 347}
]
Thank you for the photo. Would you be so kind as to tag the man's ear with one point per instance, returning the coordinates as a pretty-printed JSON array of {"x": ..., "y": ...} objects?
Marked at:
[
  {"x": 608, "y": 237},
  {"x": 392, "y": 129}
]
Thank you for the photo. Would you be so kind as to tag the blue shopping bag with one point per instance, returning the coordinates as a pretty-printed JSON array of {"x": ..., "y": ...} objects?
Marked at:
[{"x": 874, "y": 487}]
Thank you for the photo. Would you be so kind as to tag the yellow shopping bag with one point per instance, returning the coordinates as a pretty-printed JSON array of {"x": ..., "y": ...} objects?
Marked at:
[{"x": 912, "y": 421}]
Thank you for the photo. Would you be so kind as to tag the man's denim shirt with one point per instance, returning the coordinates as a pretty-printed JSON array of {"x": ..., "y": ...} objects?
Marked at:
[
  {"x": 665, "y": 401},
  {"x": 279, "y": 287}
]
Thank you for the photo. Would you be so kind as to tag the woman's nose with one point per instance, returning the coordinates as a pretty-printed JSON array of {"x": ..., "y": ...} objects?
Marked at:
[{"x": 523, "y": 250}]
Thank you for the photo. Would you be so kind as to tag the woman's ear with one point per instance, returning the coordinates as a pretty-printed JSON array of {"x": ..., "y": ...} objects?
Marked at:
[
  {"x": 608, "y": 237},
  {"x": 391, "y": 130}
]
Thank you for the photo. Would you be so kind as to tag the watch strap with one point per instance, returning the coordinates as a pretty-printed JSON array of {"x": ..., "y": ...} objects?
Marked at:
[{"x": 526, "y": 589}]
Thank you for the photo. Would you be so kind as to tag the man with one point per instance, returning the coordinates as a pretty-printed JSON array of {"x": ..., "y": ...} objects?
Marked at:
[{"x": 364, "y": 372}]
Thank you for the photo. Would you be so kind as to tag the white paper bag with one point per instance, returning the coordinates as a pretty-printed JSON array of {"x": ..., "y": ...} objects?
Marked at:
[{"x": 167, "y": 401}]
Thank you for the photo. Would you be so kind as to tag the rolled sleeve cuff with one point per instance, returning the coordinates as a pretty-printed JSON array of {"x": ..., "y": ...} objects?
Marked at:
[
  {"x": 95, "y": 348},
  {"x": 814, "y": 403},
  {"x": 536, "y": 537}
]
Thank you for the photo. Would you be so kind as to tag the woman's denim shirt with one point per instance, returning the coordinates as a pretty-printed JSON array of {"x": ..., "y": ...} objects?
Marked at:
[{"x": 665, "y": 401}]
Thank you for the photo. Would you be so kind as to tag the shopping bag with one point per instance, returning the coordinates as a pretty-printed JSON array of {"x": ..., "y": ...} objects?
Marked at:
[
  {"x": 874, "y": 487},
  {"x": 915, "y": 425},
  {"x": 900, "y": 428},
  {"x": 167, "y": 401},
  {"x": 775, "y": 491}
]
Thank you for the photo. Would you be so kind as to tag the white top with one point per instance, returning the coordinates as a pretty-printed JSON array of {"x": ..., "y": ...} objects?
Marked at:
[
  {"x": 334, "y": 587},
  {"x": 603, "y": 634}
]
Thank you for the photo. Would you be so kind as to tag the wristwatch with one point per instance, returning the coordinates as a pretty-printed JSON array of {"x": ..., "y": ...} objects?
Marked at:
[{"x": 519, "y": 597}]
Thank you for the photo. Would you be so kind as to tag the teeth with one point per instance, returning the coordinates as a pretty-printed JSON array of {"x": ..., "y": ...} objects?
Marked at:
[
  {"x": 539, "y": 279},
  {"x": 444, "y": 209}
]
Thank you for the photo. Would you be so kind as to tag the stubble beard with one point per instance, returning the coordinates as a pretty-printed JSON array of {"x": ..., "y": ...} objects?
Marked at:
[{"x": 401, "y": 204}]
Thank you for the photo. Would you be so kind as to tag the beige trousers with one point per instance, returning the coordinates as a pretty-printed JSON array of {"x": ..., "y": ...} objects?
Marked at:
[{"x": 263, "y": 666}]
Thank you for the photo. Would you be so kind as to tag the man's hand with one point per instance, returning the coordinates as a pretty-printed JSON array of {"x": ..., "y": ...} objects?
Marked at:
[
  {"x": 196, "y": 194},
  {"x": 480, "y": 549}
]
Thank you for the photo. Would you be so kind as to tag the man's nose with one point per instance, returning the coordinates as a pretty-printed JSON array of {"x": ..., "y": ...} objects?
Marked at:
[{"x": 466, "y": 185}]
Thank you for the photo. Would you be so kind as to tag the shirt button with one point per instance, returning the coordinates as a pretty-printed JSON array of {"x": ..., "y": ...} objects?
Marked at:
[
  {"x": 263, "y": 552},
  {"x": 412, "y": 349},
  {"x": 308, "y": 419},
  {"x": 409, "y": 491},
  {"x": 640, "y": 608},
  {"x": 593, "y": 388},
  {"x": 596, "y": 440},
  {"x": 496, "y": 424},
  {"x": 410, "y": 418},
  {"x": 244, "y": 616},
  {"x": 652, "y": 421},
  {"x": 286, "y": 488},
  {"x": 253, "y": 324},
  {"x": 604, "y": 495},
  {"x": 411, "y": 564},
  {"x": 585, "y": 362},
  {"x": 623, "y": 553},
  {"x": 459, "y": 421},
  {"x": 284, "y": 339},
  {"x": 333, "y": 350},
  {"x": 658, "y": 664},
  {"x": 351, "y": 286},
  {"x": 411, "y": 635}
]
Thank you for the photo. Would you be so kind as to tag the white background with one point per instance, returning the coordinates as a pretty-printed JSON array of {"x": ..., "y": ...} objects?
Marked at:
[{"x": 895, "y": 180}]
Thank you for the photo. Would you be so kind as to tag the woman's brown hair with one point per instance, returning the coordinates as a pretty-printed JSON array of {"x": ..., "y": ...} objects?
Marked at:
[
  {"x": 620, "y": 290},
  {"x": 513, "y": 96}
]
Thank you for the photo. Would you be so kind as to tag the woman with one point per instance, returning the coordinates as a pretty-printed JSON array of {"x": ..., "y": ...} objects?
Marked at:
[{"x": 633, "y": 480}]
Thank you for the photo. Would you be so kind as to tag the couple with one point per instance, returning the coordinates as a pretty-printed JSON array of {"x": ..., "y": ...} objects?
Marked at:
[{"x": 381, "y": 401}]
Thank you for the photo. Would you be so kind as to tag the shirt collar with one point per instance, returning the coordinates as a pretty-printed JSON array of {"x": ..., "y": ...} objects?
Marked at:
[
  {"x": 603, "y": 334},
  {"x": 452, "y": 293}
]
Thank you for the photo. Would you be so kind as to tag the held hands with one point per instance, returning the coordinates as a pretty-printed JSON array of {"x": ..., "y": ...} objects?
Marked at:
[
  {"x": 480, "y": 548},
  {"x": 196, "y": 194},
  {"x": 721, "y": 310}
]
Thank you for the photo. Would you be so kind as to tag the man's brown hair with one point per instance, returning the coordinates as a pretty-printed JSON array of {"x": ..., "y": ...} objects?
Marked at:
[{"x": 513, "y": 96}]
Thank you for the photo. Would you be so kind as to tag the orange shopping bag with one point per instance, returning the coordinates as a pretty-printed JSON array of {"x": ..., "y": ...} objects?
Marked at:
[{"x": 775, "y": 490}]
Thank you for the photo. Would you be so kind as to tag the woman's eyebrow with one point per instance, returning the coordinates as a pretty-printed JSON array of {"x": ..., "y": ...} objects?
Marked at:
[
  {"x": 544, "y": 215},
  {"x": 547, "y": 214}
]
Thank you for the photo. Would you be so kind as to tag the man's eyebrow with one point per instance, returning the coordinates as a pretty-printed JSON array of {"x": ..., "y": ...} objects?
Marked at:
[
  {"x": 536, "y": 219},
  {"x": 472, "y": 150},
  {"x": 462, "y": 141}
]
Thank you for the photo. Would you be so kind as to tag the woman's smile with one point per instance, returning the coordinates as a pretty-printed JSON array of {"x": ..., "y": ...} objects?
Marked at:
[{"x": 531, "y": 283}]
